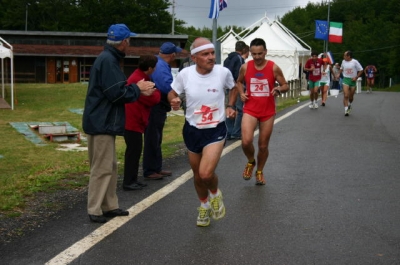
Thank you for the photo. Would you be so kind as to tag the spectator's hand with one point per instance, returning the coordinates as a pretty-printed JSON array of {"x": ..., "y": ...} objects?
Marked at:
[
  {"x": 146, "y": 87},
  {"x": 175, "y": 103},
  {"x": 243, "y": 97}
]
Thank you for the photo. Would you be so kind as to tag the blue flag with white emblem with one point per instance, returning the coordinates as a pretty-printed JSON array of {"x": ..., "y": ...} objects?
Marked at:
[{"x": 321, "y": 29}]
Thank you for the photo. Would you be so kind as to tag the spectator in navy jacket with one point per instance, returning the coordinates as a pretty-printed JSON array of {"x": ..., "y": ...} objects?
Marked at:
[{"x": 104, "y": 119}]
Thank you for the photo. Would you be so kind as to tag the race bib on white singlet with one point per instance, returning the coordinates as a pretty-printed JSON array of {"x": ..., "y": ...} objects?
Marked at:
[
  {"x": 259, "y": 87},
  {"x": 206, "y": 116},
  {"x": 349, "y": 72}
]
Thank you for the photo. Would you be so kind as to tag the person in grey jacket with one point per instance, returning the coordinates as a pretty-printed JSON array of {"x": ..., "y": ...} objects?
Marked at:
[{"x": 104, "y": 119}]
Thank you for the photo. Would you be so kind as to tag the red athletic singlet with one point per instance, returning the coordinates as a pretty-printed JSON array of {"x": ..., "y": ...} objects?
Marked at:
[{"x": 259, "y": 87}]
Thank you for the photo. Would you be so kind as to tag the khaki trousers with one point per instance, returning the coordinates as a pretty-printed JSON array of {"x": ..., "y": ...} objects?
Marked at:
[{"x": 102, "y": 193}]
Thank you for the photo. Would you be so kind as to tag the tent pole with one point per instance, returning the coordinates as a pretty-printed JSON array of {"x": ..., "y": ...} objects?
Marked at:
[
  {"x": 12, "y": 79},
  {"x": 2, "y": 78}
]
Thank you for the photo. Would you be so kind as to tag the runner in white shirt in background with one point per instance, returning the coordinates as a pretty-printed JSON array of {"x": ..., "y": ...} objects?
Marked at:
[{"x": 351, "y": 70}]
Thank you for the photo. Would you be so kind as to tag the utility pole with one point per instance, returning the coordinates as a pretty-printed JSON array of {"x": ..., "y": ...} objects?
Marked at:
[
  {"x": 173, "y": 18},
  {"x": 26, "y": 16}
]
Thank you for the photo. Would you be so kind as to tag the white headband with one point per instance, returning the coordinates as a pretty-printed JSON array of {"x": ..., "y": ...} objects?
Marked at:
[{"x": 202, "y": 48}]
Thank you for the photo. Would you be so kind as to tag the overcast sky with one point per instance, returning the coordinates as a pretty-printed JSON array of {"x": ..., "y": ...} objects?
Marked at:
[{"x": 239, "y": 12}]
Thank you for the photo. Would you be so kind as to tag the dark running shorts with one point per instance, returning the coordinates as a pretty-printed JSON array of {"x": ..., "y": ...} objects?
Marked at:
[{"x": 196, "y": 139}]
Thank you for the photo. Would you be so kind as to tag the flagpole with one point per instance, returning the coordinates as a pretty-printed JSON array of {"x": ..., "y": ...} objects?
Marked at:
[
  {"x": 329, "y": 10},
  {"x": 214, "y": 31},
  {"x": 214, "y": 41},
  {"x": 216, "y": 6}
]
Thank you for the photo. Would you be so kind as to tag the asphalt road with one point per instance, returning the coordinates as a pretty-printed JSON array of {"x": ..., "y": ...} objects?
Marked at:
[{"x": 332, "y": 197}]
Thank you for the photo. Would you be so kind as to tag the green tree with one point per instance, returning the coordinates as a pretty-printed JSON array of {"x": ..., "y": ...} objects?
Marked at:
[{"x": 142, "y": 16}]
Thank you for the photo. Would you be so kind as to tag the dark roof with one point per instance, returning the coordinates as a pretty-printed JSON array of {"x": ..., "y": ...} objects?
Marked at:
[
  {"x": 83, "y": 44},
  {"x": 80, "y": 51}
]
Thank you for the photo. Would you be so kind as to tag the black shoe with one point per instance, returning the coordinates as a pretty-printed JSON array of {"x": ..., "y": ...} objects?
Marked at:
[
  {"x": 133, "y": 186},
  {"x": 97, "y": 218},
  {"x": 141, "y": 184},
  {"x": 116, "y": 212}
]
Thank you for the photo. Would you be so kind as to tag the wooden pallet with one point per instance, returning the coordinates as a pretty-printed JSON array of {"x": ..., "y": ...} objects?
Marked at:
[{"x": 63, "y": 137}]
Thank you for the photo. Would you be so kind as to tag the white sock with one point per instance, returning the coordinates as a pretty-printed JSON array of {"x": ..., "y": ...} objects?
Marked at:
[
  {"x": 205, "y": 205},
  {"x": 345, "y": 109},
  {"x": 212, "y": 196}
]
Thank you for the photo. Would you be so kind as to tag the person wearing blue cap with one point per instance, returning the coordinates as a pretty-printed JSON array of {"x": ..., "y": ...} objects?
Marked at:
[
  {"x": 162, "y": 77},
  {"x": 104, "y": 119}
]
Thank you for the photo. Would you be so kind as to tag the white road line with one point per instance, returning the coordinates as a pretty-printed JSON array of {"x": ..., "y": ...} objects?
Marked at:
[
  {"x": 80, "y": 247},
  {"x": 103, "y": 231}
]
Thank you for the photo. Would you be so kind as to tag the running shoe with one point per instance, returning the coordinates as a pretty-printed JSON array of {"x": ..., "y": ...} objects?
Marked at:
[
  {"x": 315, "y": 106},
  {"x": 260, "y": 178},
  {"x": 217, "y": 207},
  {"x": 204, "y": 216},
  {"x": 311, "y": 106},
  {"x": 248, "y": 170},
  {"x": 323, "y": 104},
  {"x": 349, "y": 109},
  {"x": 347, "y": 112}
]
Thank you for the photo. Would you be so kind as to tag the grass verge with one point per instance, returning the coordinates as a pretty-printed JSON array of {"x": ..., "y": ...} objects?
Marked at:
[{"x": 28, "y": 169}]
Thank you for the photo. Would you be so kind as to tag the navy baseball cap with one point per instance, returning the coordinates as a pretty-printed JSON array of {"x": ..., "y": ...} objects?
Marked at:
[
  {"x": 118, "y": 32},
  {"x": 169, "y": 47}
]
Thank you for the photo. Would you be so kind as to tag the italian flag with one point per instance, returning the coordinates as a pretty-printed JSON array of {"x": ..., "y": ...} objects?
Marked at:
[{"x": 335, "y": 32}]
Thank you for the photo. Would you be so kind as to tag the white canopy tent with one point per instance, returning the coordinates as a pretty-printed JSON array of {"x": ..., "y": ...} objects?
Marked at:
[
  {"x": 289, "y": 36},
  {"x": 7, "y": 53},
  {"x": 228, "y": 42},
  {"x": 284, "y": 47}
]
